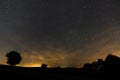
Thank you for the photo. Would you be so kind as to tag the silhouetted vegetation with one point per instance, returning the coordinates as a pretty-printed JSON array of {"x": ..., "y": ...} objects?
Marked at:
[
  {"x": 109, "y": 68},
  {"x": 94, "y": 66},
  {"x": 112, "y": 63},
  {"x": 98, "y": 70},
  {"x": 44, "y": 66},
  {"x": 13, "y": 58}
]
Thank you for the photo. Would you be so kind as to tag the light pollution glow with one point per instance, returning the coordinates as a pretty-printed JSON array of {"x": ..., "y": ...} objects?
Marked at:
[{"x": 105, "y": 43}]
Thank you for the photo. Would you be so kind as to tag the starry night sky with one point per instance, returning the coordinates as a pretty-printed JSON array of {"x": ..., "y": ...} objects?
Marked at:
[{"x": 66, "y": 33}]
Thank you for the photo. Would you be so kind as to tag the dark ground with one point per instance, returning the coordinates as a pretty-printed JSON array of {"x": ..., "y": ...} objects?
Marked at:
[{"x": 37, "y": 73}]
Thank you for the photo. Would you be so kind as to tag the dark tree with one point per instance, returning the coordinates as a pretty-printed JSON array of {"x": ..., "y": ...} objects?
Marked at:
[
  {"x": 87, "y": 67},
  {"x": 13, "y": 58},
  {"x": 98, "y": 65},
  {"x": 44, "y": 66},
  {"x": 112, "y": 63}
]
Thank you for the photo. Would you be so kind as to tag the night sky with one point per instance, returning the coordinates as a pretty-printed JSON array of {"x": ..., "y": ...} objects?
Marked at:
[{"x": 66, "y": 33}]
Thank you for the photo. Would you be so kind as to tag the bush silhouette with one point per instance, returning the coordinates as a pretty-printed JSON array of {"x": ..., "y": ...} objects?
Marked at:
[
  {"x": 44, "y": 66},
  {"x": 13, "y": 58},
  {"x": 87, "y": 67}
]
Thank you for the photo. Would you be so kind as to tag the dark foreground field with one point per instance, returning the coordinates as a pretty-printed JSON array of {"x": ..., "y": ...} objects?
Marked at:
[{"x": 37, "y": 73}]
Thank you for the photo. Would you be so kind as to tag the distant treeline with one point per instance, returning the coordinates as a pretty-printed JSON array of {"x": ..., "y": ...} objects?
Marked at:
[
  {"x": 108, "y": 68},
  {"x": 110, "y": 64}
]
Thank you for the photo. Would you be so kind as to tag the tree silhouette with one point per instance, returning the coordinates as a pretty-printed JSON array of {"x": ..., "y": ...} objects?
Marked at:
[
  {"x": 13, "y": 58},
  {"x": 87, "y": 67},
  {"x": 44, "y": 66},
  {"x": 112, "y": 63},
  {"x": 98, "y": 65}
]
